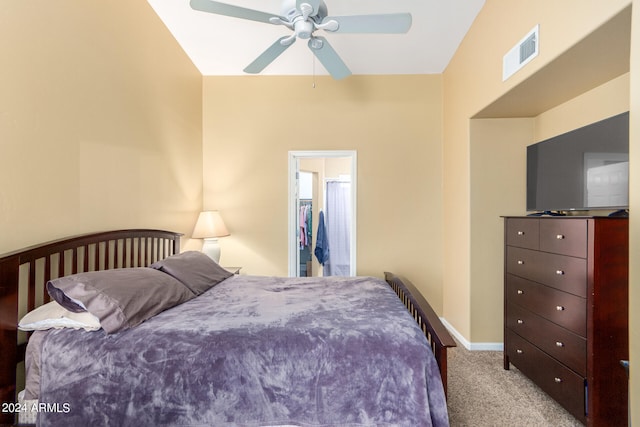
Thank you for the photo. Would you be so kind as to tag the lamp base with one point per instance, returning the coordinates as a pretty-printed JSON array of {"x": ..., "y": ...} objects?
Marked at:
[{"x": 211, "y": 248}]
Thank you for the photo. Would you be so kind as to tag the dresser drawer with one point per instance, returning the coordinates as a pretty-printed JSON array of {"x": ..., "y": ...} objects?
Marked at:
[
  {"x": 562, "y": 384},
  {"x": 562, "y": 308},
  {"x": 522, "y": 232},
  {"x": 566, "y": 237},
  {"x": 565, "y": 346},
  {"x": 562, "y": 272}
]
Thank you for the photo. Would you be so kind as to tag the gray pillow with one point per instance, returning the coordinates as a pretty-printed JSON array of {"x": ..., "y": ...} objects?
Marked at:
[
  {"x": 120, "y": 298},
  {"x": 194, "y": 269}
]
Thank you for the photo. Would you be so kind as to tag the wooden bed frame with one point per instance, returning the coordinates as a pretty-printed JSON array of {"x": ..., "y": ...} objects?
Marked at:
[
  {"x": 24, "y": 274},
  {"x": 422, "y": 312}
]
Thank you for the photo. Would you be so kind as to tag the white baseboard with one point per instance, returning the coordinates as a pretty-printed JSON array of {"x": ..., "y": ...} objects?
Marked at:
[{"x": 473, "y": 346}]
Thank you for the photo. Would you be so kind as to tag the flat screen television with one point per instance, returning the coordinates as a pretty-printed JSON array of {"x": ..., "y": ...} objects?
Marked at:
[{"x": 585, "y": 169}]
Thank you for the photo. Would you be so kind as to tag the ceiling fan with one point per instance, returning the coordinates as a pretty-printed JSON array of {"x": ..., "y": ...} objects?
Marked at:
[{"x": 304, "y": 18}]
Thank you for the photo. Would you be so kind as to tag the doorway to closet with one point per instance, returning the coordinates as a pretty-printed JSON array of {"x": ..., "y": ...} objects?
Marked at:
[{"x": 322, "y": 213}]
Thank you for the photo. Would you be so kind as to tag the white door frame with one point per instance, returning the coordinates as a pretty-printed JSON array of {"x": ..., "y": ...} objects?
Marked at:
[{"x": 294, "y": 167}]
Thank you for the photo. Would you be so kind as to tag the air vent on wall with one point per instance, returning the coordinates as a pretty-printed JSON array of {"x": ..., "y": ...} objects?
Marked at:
[{"x": 521, "y": 54}]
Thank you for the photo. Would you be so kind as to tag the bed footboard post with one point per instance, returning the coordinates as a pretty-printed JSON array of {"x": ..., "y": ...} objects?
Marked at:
[{"x": 433, "y": 329}]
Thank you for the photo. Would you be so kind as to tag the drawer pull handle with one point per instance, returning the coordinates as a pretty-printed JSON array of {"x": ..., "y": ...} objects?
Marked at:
[
  {"x": 520, "y": 233},
  {"x": 560, "y": 236},
  {"x": 520, "y": 262},
  {"x": 559, "y": 344},
  {"x": 560, "y": 272},
  {"x": 559, "y": 308},
  {"x": 519, "y": 351},
  {"x": 520, "y": 292},
  {"x": 558, "y": 380},
  {"x": 520, "y": 322}
]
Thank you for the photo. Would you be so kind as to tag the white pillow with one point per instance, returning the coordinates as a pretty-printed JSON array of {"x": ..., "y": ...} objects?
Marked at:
[{"x": 53, "y": 315}]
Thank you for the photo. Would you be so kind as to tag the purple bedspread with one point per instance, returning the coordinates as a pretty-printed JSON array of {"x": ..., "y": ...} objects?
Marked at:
[{"x": 252, "y": 351}]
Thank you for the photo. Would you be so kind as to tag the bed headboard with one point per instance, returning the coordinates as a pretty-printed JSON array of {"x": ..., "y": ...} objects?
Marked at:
[{"x": 24, "y": 274}]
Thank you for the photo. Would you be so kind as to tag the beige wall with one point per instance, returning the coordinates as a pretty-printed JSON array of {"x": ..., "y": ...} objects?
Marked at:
[
  {"x": 634, "y": 239},
  {"x": 100, "y": 121},
  {"x": 394, "y": 124},
  {"x": 498, "y": 181},
  {"x": 472, "y": 292},
  {"x": 604, "y": 101},
  {"x": 497, "y": 186}
]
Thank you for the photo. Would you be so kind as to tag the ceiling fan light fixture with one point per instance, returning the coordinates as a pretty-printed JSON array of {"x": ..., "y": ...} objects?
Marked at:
[
  {"x": 330, "y": 25},
  {"x": 289, "y": 10},
  {"x": 287, "y": 41},
  {"x": 303, "y": 29},
  {"x": 279, "y": 21},
  {"x": 316, "y": 43},
  {"x": 307, "y": 10}
]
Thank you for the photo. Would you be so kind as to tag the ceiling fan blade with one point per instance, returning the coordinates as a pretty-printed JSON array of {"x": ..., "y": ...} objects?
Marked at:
[
  {"x": 329, "y": 58},
  {"x": 230, "y": 10},
  {"x": 268, "y": 56},
  {"x": 394, "y": 23}
]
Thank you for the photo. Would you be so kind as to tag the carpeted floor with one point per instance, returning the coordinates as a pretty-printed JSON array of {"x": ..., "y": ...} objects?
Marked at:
[{"x": 482, "y": 393}]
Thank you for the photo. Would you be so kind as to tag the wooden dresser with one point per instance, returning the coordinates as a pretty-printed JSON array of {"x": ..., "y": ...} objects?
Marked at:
[{"x": 566, "y": 311}]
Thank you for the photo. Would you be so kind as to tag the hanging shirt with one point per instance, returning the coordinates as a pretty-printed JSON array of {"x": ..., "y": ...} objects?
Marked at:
[
  {"x": 309, "y": 226},
  {"x": 322, "y": 242},
  {"x": 303, "y": 226}
]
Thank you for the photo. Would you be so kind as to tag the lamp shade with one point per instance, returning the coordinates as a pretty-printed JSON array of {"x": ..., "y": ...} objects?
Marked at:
[{"x": 210, "y": 224}]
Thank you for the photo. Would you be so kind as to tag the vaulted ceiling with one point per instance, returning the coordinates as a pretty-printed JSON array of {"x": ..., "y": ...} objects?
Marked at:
[{"x": 221, "y": 45}]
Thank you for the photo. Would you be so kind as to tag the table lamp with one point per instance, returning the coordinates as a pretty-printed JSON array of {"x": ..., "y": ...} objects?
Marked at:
[{"x": 209, "y": 227}]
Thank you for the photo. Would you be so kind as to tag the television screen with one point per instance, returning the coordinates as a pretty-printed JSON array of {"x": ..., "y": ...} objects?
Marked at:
[{"x": 585, "y": 169}]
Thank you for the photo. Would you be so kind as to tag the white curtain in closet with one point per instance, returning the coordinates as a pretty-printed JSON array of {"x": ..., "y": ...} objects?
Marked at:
[{"x": 337, "y": 224}]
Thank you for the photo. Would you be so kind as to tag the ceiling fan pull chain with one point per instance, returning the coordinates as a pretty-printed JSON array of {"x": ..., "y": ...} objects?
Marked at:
[{"x": 313, "y": 67}]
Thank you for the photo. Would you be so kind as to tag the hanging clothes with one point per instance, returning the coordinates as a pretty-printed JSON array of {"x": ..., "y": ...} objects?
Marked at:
[
  {"x": 303, "y": 222},
  {"x": 322, "y": 242},
  {"x": 309, "y": 226},
  {"x": 304, "y": 215}
]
